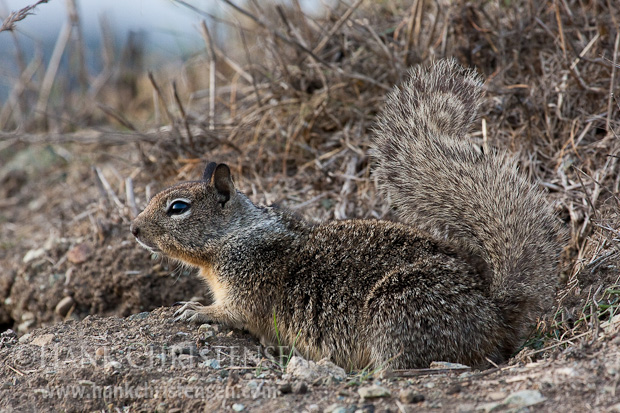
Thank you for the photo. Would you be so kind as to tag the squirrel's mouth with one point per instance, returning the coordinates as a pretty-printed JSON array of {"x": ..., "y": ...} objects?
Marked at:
[{"x": 154, "y": 250}]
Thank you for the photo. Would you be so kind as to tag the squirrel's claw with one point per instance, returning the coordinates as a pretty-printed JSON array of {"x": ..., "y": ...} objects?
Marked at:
[
  {"x": 186, "y": 305},
  {"x": 190, "y": 311}
]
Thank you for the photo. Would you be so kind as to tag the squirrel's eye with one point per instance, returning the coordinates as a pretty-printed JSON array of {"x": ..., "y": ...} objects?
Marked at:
[{"x": 178, "y": 207}]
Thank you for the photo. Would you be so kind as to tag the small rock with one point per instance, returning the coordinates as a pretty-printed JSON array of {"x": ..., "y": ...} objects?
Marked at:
[
  {"x": 410, "y": 396},
  {"x": 238, "y": 407},
  {"x": 43, "y": 340},
  {"x": 64, "y": 305},
  {"x": 448, "y": 366},
  {"x": 373, "y": 392},
  {"x": 211, "y": 363},
  {"x": 79, "y": 254},
  {"x": 204, "y": 328},
  {"x": 140, "y": 316},
  {"x": 497, "y": 395},
  {"x": 335, "y": 408},
  {"x": 8, "y": 338},
  {"x": 454, "y": 389},
  {"x": 206, "y": 331},
  {"x": 112, "y": 366},
  {"x": 25, "y": 338},
  {"x": 313, "y": 407},
  {"x": 33, "y": 255},
  {"x": 100, "y": 353},
  {"x": 329, "y": 369},
  {"x": 308, "y": 370},
  {"x": 515, "y": 401},
  {"x": 524, "y": 398},
  {"x": 489, "y": 407},
  {"x": 300, "y": 387}
]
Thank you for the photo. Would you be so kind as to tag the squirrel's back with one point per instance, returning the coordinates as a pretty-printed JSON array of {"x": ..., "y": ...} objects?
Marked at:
[{"x": 477, "y": 201}]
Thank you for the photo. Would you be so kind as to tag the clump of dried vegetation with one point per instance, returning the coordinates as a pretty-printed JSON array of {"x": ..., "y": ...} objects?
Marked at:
[{"x": 291, "y": 109}]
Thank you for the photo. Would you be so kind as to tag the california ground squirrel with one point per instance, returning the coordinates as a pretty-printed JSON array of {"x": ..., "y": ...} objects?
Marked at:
[{"x": 462, "y": 279}]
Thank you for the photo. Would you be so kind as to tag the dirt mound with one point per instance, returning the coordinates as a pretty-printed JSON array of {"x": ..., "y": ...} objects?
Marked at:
[{"x": 147, "y": 362}]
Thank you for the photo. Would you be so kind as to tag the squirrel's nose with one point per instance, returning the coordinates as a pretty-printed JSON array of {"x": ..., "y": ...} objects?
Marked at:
[{"x": 135, "y": 230}]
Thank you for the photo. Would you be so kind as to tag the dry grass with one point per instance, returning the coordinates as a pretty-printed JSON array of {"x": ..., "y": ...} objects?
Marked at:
[
  {"x": 8, "y": 24},
  {"x": 292, "y": 109}
]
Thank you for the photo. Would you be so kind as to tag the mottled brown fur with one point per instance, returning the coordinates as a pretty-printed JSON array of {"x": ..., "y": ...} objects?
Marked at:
[{"x": 461, "y": 279}]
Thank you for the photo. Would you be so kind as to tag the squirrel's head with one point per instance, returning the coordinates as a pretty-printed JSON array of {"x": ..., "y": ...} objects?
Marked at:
[{"x": 184, "y": 220}]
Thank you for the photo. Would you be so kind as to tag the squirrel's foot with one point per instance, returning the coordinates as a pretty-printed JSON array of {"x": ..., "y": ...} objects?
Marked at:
[{"x": 193, "y": 312}]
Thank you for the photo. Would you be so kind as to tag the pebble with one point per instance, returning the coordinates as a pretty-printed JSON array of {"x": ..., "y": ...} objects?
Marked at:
[
  {"x": 33, "y": 255},
  {"x": 206, "y": 331},
  {"x": 204, "y": 328},
  {"x": 410, "y": 396},
  {"x": 211, "y": 363},
  {"x": 79, "y": 254},
  {"x": 139, "y": 316},
  {"x": 112, "y": 366},
  {"x": 238, "y": 407},
  {"x": 449, "y": 366},
  {"x": 515, "y": 401},
  {"x": 25, "y": 338},
  {"x": 64, "y": 305},
  {"x": 497, "y": 395},
  {"x": 335, "y": 408},
  {"x": 308, "y": 370},
  {"x": 373, "y": 391},
  {"x": 43, "y": 340},
  {"x": 99, "y": 353},
  {"x": 525, "y": 398}
]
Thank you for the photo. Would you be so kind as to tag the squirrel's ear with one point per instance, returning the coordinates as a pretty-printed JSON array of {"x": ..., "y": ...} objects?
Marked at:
[
  {"x": 206, "y": 175},
  {"x": 222, "y": 181}
]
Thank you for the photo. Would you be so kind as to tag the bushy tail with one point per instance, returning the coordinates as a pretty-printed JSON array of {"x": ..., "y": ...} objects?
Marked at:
[{"x": 440, "y": 182}]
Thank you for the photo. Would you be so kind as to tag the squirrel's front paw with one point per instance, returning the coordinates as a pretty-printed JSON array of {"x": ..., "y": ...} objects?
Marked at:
[{"x": 193, "y": 312}]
